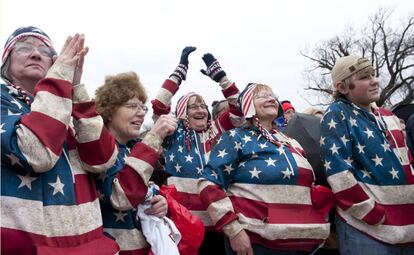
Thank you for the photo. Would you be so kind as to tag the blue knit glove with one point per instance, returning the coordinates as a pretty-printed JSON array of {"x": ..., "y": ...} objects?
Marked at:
[
  {"x": 180, "y": 72},
  {"x": 214, "y": 70}
]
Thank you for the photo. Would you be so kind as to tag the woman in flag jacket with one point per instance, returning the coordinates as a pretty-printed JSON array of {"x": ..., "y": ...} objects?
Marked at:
[
  {"x": 49, "y": 203},
  {"x": 121, "y": 103},
  {"x": 266, "y": 205},
  {"x": 188, "y": 149}
]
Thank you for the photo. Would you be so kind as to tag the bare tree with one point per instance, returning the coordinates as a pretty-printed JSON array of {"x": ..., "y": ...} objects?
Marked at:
[{"x": 390, "y": 49}]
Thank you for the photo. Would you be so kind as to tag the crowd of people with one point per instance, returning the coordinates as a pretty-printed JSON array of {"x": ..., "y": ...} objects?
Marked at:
[{"x": 78, "y": 176}]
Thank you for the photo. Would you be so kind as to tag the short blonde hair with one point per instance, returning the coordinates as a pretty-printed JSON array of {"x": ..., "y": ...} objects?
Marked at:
[{"x": 116, "y": 91}]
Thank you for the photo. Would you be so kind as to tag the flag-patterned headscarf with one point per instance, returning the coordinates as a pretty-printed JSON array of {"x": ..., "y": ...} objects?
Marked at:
[{"x": 245, "y": 102}]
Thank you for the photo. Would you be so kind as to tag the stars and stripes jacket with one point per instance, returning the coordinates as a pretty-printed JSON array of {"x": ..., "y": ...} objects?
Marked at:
[
  {"x": 252, "y": 184},
  {"x": 121, "y": 189},
  {"x": 368, "y": 167},
  {"x": 49, "y": 201},
  {"x": 186, "y": 166}
]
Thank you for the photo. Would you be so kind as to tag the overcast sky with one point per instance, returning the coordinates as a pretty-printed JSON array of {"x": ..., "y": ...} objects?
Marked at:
[{"x": 254, "y": 41}]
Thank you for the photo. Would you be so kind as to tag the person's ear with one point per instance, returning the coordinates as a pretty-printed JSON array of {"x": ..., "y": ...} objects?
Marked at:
[{"x": 342, "y": 88}]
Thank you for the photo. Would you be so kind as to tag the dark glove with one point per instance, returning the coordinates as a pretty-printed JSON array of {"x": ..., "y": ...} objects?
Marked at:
[
  {"x": 213, "y": 68},
  {"x": 180, "y": 71}
]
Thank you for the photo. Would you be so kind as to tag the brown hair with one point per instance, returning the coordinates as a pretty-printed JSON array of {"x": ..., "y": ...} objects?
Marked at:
[{"x": 116, "y": 91}]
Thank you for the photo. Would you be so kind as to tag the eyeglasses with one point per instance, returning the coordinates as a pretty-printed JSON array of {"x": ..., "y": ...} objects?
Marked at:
[
  {"x": 195, "y": 107},
  {"x": 27, "y": 49},
  {"x": 137, "y": 107},
  {"x": 266, "y": 96}
]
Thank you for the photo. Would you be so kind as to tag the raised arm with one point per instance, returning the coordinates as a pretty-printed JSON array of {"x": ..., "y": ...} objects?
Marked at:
[
  {"x": 34, "y": 140},
  {"x": 232, "y": 117},
  {"x": 162, "y": 103}
]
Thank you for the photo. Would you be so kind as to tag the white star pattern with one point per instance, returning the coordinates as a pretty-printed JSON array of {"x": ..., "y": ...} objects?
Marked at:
[
  {"x": 219, "y": 140},
  {"x": 178, "y": 168},
  {"x": 120, "y": 216},
  {"x": 253, "y": 155},
  {"x": 366, "y": 174},
  {"x": 247, "y": 139},
  {"x": 180, "y": 148},
  {"x": 270, "y": 161},
  {"x": 237, "y": 146},
  {"x": 332, "y": 124},
  {"x": 222, "y": 153},
  {"x": 188, "y": 158},
  {"x": 287, "y": 173},
  {"x": 255, "y": 173},
  {"x": 172, "y": 157},
  {"x": 199, "y": 170},
  {"x": 262, "y": 145},
  {"x": 355, "y": 112},
  {"x": 101, "y": 196},
  {"x": 353, "y": 122},
  {"x": 281, "y": 150},
  {"x": 369, "y": 133},
  {"x": 243, "y": 164},
  {"x": 349, "y": 161},
  {"x": 386, "y": 146},
  {"x": 252, "y": 132},
  {"x": 232, "y": 133},
  {"x": 377, "y": 160},
  {"x": 26, "y": 181},
  {"x": 334, "y": 149},
  {"x": 361, "y": 148},
  {"x": 57, "y": 186},
  {"x": 10, "y": 113},
  {"x": 344, "y": 139},
  {"x": 394, "y": 174},
  {"x": 214, "y": 174},
  {"x": 13, "y": 159},
  {"x": 228, "y": 168},
  {"x": 327, "y": 165},
  {"x": 322, "y": 140},
  {"x": 14, "y": 101},
  {"x": 1, "y": 128}
]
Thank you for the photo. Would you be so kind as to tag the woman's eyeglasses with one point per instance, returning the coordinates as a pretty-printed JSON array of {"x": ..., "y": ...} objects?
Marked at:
[
  {"x": 137, "y": 107},
  {"x": 195, "y": 107},
  {"x": 27, "y": 49}
]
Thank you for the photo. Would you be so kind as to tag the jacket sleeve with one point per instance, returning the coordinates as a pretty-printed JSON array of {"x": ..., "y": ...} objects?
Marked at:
[
  {"x": 337, "y": 155},
  {"x": 96, "y": 146},
  {"x": 34, "y": 141},
  {"x": 232, "y": 118},
  {"x": 162, "y": 102},
  {"x": 217, "y": 176},
  {"x": 126, "y": 186}
]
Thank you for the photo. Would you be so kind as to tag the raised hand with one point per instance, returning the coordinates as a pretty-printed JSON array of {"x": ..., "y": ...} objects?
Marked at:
[
  {"x": 214, "y": 70},
  {"x": 79, "y": 67},
  {"x": 164, "y": 126},
  {"x": 180, "y": 72},
  {"x": 67, "y": 61}
]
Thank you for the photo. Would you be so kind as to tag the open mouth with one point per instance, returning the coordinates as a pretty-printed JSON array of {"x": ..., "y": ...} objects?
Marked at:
[{"x": 199, "y": 117}]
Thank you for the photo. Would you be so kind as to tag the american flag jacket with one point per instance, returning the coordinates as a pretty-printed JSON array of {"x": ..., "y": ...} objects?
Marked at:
[
  {"x": 49, "y": 202},
  {"x": 368, "y": 167},
  {"x": 268, "y": 191},
  {"x": 186, "y": 166},
  {"x": 121, "y": 189}
]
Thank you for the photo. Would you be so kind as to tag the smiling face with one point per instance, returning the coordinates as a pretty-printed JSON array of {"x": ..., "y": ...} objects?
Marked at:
[
  {"x": 28, "y": 62},
  {"x": 197, "y": 113},
  {"x": 126, "y": 121},
  {"x": 265, "y": 103}
]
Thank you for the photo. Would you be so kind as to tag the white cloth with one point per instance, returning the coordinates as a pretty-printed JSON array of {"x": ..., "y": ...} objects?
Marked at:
[{"x": 160, "y": 233}]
